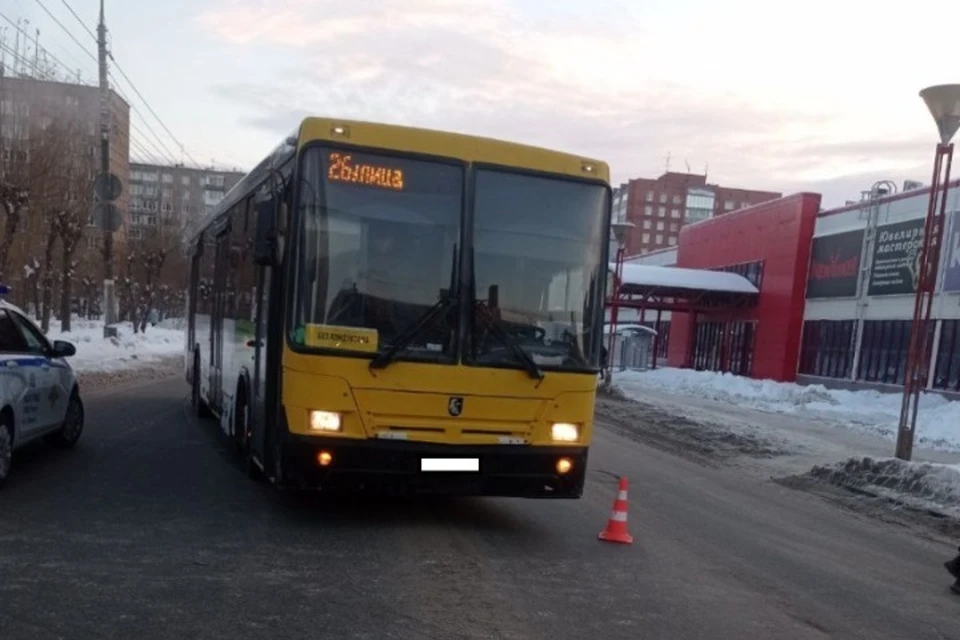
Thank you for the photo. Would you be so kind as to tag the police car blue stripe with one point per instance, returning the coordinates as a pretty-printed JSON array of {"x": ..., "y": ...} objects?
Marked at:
[{"x": 28, "y": 362}]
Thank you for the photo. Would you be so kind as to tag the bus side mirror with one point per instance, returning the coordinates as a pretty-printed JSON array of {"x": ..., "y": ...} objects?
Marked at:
[{"x": 265, "y": 242}]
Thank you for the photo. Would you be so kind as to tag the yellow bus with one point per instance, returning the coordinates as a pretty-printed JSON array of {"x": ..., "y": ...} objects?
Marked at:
[{"x": 399, "y": 310}]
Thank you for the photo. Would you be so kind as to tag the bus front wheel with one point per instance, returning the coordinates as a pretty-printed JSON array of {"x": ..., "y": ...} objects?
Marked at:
[{"x": 200, "y": 408}]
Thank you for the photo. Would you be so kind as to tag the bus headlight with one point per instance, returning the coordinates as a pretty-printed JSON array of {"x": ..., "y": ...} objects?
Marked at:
[
  {"x": 564, "y": 432},
  {"x": 324, "y": 421}
]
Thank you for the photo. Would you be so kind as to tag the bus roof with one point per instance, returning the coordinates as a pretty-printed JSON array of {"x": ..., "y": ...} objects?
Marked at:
[
  {"x": 451, "y": 145},
  {"x": 403, "y": 138}
]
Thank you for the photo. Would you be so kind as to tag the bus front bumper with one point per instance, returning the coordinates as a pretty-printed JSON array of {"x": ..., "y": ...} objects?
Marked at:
[{"x": 394, "y": 467}]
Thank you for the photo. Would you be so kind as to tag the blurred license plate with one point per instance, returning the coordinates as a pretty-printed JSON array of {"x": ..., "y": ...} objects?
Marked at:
[{"x": 450, "y": 464}]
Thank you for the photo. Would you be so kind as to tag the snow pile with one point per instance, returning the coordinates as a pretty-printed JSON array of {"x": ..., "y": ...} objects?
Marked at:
[
  {"x": 938, "y": 419},
  {"x": 923, "y": 485},
  {"x": 127, "y": 351}
]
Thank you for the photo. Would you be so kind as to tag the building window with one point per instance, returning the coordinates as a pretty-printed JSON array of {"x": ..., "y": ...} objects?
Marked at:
[
  {"x": 663, "y": 198},
  {"x": 646, "y": 238},
  {"x": 674, "y": 226},
  {"x": 662, "y": 212},
  {"x": 709, "y": 352},
  {"x": 671, "y": 241},
  {"x": 660, "y": 225},
  {"x": 647, "y": 224},
  {"x": 648, "y": 210},
  {"x": 659, "y": 238},
  {"x": 729, "y": 205},
  {"x": 649, "y": 196},
  {"x": 946, "y": 376},
  {"x": 675, "y": 214},
  {"x": 168, "y": 178},
  {"x": 883, "y": 350},
  {"x": 186, "y": 195},
  {"x": 752, "y": 271},
  {"x": 167, "y": 193},
  {"x": 185, "y": 181},
  {"x": 699, "y": 205},
  {"x": 676, "y": 199},
  {"x": 826, "y": 349}
]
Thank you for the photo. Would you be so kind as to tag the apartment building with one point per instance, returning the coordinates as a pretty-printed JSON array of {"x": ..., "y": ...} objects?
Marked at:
[
  {"x": 659, "y": 207},
  {"x": 39, "y": 116},
  {"x": 167, "y": 197}
]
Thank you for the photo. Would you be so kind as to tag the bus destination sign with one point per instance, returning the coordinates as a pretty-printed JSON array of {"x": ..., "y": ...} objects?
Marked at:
[{"x": 344, "y": 169}]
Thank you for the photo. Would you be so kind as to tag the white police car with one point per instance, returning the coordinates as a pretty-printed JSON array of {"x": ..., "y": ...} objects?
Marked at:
[{"x": 39, "y": 396}]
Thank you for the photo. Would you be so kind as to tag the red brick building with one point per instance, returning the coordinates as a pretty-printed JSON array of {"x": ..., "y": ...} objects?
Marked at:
[{"x": 658, "y": 208}]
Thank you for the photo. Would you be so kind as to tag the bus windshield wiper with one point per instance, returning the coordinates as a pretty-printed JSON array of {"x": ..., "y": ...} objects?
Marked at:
[
  {"x": 528, "y": 362},
  {"x": 384, "y": 358},
  {"x": 447, "y": 301}
]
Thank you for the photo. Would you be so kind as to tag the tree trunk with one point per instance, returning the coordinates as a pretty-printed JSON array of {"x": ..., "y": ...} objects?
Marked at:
[
  {"x": 35, "y": 292},
  {"x": 48, "y": 280},
  {"x": 66, "y": 287},
  {"x": 13, "y": 206},
  {"x": 6, "y": 242}
]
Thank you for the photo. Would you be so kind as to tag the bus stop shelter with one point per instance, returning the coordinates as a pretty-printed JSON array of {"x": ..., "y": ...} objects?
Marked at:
[{"x": 678, "y": 290}]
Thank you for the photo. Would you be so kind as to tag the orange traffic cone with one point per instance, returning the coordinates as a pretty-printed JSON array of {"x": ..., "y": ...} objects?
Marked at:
[{"x": 616, "y": 530}]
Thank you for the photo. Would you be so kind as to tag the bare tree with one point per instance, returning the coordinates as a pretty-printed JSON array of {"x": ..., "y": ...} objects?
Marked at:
[
  {"x": 14, "y": 198},
  {"x": 44, "y": 191},
  {"x": 70, "y": 223},
  {"x": 30, "y": 162},
  {"x": 140, "y": 286}
]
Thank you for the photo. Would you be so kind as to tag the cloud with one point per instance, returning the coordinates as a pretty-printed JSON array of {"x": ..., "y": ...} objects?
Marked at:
[{"x": 590, "y": 87}]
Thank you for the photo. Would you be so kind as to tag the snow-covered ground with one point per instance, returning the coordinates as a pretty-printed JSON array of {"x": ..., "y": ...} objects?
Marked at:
[
  {"x": 127, "y": 351},
  {"x": 843, "y": 437},
  {"x": 872, "y": 412}
]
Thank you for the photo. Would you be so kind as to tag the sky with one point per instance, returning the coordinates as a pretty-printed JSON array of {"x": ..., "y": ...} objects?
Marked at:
[{"x": 816, "y": 96}]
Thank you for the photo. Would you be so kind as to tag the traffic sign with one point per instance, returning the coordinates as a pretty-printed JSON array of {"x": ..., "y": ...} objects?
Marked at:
[
  {"x": 108, "y": 187},
  {"x": 106, "y": 215}
]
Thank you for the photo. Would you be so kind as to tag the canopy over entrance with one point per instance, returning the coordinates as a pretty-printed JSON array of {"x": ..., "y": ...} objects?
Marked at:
[{"x": 678, "y": 289}]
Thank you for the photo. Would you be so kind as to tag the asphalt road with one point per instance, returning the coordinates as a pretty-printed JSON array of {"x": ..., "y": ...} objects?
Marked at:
[{"x": 149, "y": 529}]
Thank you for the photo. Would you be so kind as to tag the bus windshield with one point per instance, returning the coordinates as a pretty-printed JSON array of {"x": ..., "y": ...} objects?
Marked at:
[
  {"x": 377, "y": 250},
  {"x": 538, "y": 252}
]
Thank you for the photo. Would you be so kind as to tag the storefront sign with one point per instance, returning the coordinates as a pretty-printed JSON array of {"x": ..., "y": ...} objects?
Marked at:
[
  {"x": 951, "y": 254},
  {"x": 896, "y": 259},
  {"x": 835, "y": 265}
]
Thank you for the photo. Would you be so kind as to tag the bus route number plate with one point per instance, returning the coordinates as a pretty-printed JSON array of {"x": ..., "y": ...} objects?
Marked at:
[{"x": 450, "y": 464}]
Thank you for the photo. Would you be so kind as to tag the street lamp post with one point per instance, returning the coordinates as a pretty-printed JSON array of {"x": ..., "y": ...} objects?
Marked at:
[
  {"x": 620, "y": 231},
  {"x": 943, "y": 101}
]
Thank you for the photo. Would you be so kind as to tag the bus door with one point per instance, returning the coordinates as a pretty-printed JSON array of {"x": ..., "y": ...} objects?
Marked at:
[
  {"x": 259, "y": 406},
  {"x": 216, "y": 321}
]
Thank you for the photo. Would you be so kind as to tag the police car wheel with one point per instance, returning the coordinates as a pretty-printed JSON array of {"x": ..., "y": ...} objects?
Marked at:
[
  {"x": 72, "y": 427},
  {"x": 6, "y": 450}
]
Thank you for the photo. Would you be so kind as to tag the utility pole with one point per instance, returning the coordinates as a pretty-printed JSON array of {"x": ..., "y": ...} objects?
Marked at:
[{"x": 107, "y": 186}]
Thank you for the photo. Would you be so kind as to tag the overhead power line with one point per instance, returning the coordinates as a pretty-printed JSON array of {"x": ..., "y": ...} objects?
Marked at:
[
  {"x": 67, "y": 31},
  {"x": 145, "y": 102},
  {"x": 167, "y": 157},
  {"x": 46, "y": 52},
  {"x": 149, "y": 108},
  {"x": 82, "y": 23}
]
